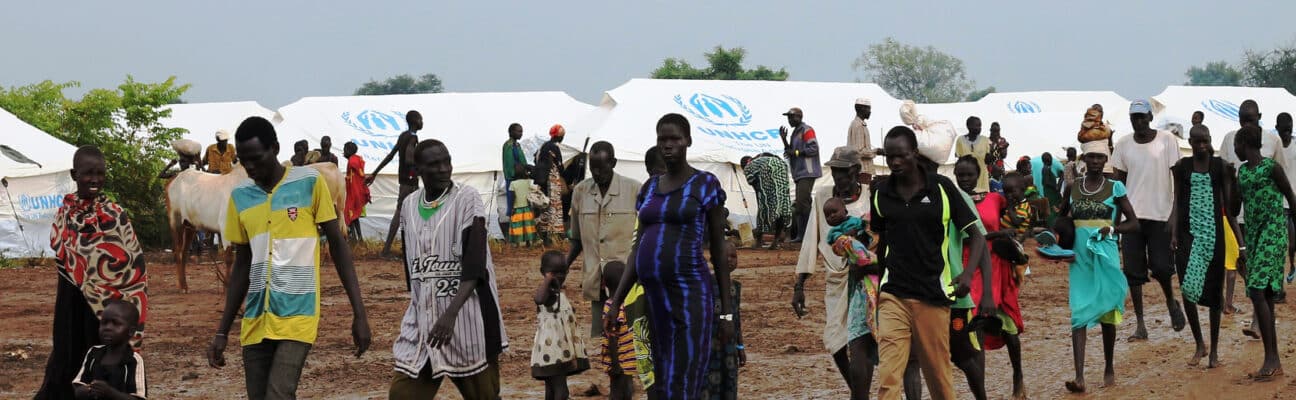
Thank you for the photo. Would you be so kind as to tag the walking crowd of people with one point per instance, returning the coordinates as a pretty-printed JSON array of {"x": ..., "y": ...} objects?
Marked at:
[{"x": 922, "y": 271}]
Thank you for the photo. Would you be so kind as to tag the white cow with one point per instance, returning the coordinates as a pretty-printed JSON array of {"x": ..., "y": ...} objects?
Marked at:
[{"x": 200, "y": 200}]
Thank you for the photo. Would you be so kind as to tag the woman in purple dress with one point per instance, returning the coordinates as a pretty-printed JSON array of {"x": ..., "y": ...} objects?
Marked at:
[{"x": 678, "y": 212}]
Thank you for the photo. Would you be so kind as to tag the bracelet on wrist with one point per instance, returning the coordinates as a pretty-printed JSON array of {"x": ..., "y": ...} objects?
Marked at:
[
  {"x": 223, "y": 334},
  {"x": 741, "y": 347}
]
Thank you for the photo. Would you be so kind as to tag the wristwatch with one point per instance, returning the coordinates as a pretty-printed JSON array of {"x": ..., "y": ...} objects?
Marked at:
[{"x": 726, "y": 317}]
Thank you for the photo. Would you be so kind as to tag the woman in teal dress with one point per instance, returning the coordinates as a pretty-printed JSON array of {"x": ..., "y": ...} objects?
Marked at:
[
  {"x": 1263, "y": 185},
  {"x": 1097, "y": 285}
]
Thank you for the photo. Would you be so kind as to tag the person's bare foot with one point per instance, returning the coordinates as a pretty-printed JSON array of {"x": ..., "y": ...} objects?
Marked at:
[
  {"x": 1177, "y": 319},
  {"x": 1214, "y": 360},
  {"x": 1197, "y": 356},
  {"x": 1019, "y": 388},
  {"x": 1109, "y": 378},
  {"x": 1230, "y": 309},
  {"x": 1140, "y": 334},
  {"x": 1076, "y": 386},
  {"x": 592, "y": 391}
]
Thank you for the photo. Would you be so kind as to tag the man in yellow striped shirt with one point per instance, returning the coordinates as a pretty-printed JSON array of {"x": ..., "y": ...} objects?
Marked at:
[{"x": 272, "y": 221}]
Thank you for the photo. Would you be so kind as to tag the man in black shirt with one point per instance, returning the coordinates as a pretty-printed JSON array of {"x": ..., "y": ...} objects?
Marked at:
[
  {"x": 913, "y": 212},
  {"x": 405, "y": 171}
]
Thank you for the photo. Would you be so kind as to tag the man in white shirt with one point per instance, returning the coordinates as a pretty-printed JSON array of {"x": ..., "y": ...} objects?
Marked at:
[
  {"x": 1288, "y": 161},
  {"x": 1142, "y": 161}
]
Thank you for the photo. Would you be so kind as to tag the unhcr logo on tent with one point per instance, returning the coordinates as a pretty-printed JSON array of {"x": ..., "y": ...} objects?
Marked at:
[
  {"x": 1024, "y": 107},
  {"x": 1222, "y": 108},
  {"x": 723, "y": 111},
  {"x": 725, "y": 117},
  {"x": 376, "y": 123}
]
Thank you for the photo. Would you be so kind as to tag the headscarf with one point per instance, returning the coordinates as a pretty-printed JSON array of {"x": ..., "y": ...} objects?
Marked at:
[
  {"x": 96, "y": 250},
  {"x": 1097, "y": 146},
  {"x": 556, "y": 131}
]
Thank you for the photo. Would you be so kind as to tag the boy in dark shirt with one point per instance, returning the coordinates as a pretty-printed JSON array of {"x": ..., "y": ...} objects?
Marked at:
[{"x": 113, "y": 370}]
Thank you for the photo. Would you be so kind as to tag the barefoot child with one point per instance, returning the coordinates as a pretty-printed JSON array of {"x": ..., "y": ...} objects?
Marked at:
[
  {"x": 1097, "y": 286},
  {"x": 522, "y": 228},
  {"x": 618, "y": 350},
  {"x": 1197, "y": 226},
  {"x": 559, "y": 349},
  {"x": 357, "y": 193},
  {"x": 113, "y": 370},
  {"x": 726, "y": 357}
]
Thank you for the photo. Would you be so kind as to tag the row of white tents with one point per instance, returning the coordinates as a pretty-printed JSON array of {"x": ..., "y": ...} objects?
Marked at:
[{"x": 730, "y": 119}]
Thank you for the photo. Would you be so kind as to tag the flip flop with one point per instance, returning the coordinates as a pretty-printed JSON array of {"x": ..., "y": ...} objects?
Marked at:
[{"x": 1250, "y": 330}]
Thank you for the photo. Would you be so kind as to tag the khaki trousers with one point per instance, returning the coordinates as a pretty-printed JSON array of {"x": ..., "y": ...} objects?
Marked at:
[{"x": 902, "y": 322}]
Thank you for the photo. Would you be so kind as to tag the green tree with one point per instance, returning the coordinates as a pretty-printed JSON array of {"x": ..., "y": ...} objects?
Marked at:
[
  {"x": 921, "y": 74},
  {"x": 1214, "y": 73},
  {"x": 723, "y": 64},
  {"x": 401, "y": 84},
  {"x": 1274, "y": 68},
  {"x": 123, "y": 123},
  {"x": 978, "y": 94}
]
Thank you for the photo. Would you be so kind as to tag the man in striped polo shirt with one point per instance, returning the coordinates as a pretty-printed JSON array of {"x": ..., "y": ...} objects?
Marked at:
[{"x": 272, "y": 221}]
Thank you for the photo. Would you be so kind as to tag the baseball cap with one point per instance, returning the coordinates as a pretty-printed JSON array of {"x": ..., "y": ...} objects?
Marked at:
[
  {"x": 863, "y": 102},
  {"x": 1140, "y": 106},
  {"x": 794, "y": 110},
  {"x": 843, "y": 157}
]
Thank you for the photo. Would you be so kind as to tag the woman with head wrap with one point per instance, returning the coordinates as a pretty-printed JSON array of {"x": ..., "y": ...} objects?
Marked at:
[
  {"x": 548, "y": 175},
  {"x": 1097, "y": 285}
]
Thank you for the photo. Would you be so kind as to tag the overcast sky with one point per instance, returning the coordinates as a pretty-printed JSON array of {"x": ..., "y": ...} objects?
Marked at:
[{"x": 275, "y": 52}]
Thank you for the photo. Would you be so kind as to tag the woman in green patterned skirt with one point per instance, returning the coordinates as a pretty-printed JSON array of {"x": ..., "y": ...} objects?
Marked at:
[{"x": 1263, "y": 186}]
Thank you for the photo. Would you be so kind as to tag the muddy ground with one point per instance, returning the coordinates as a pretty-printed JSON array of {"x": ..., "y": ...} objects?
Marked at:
[{"x": 786, "y": 356}]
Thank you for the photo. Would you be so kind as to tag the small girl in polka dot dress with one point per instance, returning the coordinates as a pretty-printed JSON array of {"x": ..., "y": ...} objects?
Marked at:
[{"x": 559, "y": 350}]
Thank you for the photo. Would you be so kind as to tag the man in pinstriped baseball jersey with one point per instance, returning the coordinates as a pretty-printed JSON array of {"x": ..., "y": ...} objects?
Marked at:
[{"x": 453, "y": 325}]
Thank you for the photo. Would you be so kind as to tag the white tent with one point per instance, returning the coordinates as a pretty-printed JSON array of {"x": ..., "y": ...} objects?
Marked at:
[
  {"x": 473, "y": 126},
  {"x": 730, "y": 119},
  {"x": 1220, "y": 106},
  {"x": 204, "y": 119},
  {"x": 35, "y": 168},
  {"x": 1038, "y": 122}
]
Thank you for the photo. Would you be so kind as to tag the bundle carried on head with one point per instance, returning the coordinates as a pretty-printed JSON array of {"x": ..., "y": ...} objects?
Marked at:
[
  {"x": 186, "y": 147},
  {"x": 935, "y": 138},
  {"x": 1093, "y": 128},
  {"x": 1094, "y": 132}
]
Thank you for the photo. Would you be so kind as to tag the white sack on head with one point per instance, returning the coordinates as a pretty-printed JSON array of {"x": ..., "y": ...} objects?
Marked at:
[
  {"x": 186, "y": 147},
  {"x": 935, "y": 138}
]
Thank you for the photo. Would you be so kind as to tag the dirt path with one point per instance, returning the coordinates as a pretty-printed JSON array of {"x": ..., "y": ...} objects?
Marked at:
[{"x": 786, "y": 356}]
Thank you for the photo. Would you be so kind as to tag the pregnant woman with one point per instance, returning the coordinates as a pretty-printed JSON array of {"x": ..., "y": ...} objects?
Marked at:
[{"x": 678, "y": 213}]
